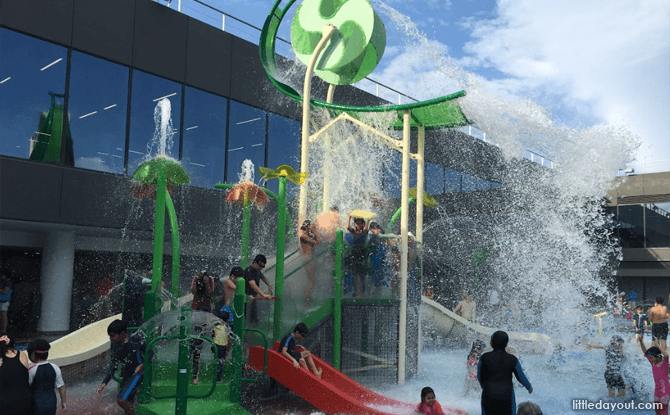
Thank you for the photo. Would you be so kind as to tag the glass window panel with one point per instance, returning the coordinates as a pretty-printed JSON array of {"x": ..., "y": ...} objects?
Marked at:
[
  {"x": 452, "y": 180},
  {"x": 204, "y": 150},
  {"x": 412, "y": 172},
  {"x": 246, "y": 140},
  {"x": 98, "y": 111},
  {"x": 495, "y": 185},
  {"x": 393, "y": 175},
  {"x": 434, "y": 179},
  {"x": 283, "y": 148},
  {"x": 483, "y": 184},
  {"x": 631, "y": 229},
  {"x": 148, "y": 91},
  {"x": 29, "y": 70},
  {"x": 469, "y": 183},
  {"x": 657, "y": 222}
]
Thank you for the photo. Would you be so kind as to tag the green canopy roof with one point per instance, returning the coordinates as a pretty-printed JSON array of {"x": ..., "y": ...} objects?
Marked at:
[{"x": 432, "y": 114}]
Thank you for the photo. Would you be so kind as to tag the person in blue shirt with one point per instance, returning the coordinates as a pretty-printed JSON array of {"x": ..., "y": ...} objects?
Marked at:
[
  {"x": 494, "y": 373},
  {"x": 127, "y": 351},
  {"x": 300, "y": 358}
]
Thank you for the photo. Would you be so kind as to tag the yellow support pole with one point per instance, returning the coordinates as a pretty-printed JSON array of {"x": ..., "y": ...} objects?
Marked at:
[
  {"x": 404, "y": 224},
  {"x": 326, "y": 169},
  {"x": 600, "y": 322},
  {"x": 328, "y": 31},
  {"x": 420, "y": 175}
]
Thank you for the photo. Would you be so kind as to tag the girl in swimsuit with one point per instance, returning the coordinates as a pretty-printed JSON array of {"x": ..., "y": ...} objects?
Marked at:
[
  {"x": 659, "y": 367},
  {"x": 473, "y": 360}
]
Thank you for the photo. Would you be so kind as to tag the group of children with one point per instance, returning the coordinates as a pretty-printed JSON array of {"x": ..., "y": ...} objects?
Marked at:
[{"x": 29, "y": 389}]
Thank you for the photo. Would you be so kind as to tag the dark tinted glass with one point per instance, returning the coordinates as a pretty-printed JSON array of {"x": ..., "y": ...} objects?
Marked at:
[
  {"x": 392, "y": 175},
  {"x": 631, "y": 229},
  {"x": 204, "y": 150},
  {"x": 452, "y": 180},
  {"x": 148, "y": 91},
  {"x": 98, "y": 110},
  {"x": 283, "y": 148},
  {"x": 29, "y": 70},
  {"x": 246, "y": 140},
  {"x": 434, "y": 179},
  {"x": 657, "y": 222}
]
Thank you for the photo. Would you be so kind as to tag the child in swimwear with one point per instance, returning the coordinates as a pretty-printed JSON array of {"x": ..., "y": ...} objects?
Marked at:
[
  {"x": 428, "y": 403},
  {"x": 471, "y": 382},
  {"x": 44, "y": 378},
  {"x": 659, "y": 367}
]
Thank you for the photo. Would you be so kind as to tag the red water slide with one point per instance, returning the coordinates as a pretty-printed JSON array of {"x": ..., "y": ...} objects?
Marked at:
[{"x": 334, "y": 393}]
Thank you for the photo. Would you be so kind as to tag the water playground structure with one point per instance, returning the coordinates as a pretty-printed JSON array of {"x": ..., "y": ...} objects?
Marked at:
[{"x": 341, "y": 42}]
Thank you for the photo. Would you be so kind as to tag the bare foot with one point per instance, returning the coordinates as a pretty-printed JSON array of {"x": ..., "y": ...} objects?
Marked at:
[
  {"x": 319, "y": 371},
  {"x": 195, "y": 380}
]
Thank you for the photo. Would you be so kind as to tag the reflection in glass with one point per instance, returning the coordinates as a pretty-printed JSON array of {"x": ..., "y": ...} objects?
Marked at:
[
  {"x": 98, "y": 108},
  {"x": 204, "y": 150},
  {"x": 469, "y": 183},
  {"x": 246, "y": 139},
  {"x": 283, "y": 148},
  {"x": 657, "y": 222},
  {"x": 452, "y": 180},
  {"x": 483, "y": 184},
  {"x": 29, "y": 70},
  {"x": 631, "y": 228},
  {"x": 147, "y": 91},
  {"x": 434, "y": 179}
]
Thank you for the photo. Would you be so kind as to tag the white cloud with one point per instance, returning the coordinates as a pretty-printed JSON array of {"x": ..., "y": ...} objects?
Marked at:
[{"x": 612, "y": 54}]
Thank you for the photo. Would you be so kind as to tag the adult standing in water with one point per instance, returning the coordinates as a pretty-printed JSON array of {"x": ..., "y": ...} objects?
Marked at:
[
  {"x": 658, "y": 315},
  {"x": 494, "y": 373},
  {"x": 16, "y": 395}
]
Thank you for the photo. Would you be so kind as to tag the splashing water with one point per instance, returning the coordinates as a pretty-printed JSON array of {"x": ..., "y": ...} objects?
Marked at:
[
  {"x": 247, "y": 172},
  {"x": 164, "y": 132}
]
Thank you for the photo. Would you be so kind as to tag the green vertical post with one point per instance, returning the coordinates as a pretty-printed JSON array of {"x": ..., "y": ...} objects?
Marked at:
[
  {"x": 238, "y": 329},
  {"x": 176, "y": 252},
  {"x": 279, "y": 268},
  {"x": 183, "y": 360},
  {"x": 337, "y": 306},
  {"x": 246, "y": 224},
  {"x": 159, "y": 237}
]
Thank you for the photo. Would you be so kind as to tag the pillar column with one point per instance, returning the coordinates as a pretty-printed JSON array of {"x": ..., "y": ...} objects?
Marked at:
[{"x": 56, "y": 282}]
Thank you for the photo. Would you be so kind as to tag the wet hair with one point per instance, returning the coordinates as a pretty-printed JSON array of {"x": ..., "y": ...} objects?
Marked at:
[
  {"x": 225, "y": 316},
  {"x": 4, "y": 347},
  {"x": 374, "y": 225},
  {"x": 237, "y": 271},
  {"x": 306, "y": 224},
  {"x": 425, "y": 391},
  {"x": 260, "y": 259},
  {"x": 616, "y": 339},
  {"x": 659, "y": 300},
  {"x": 528, "y": 408},
  {"x": 334, "y": 208},
  {"x": 639, "y": 307},
  {"x": 499, "y": 340},
  {"x": 478, "y": 347},
  {"x": 654, "y": 351},
  {"x": 40, "y": 347},
  {"x": 301, "y": 328},
  {"x": 117, "y": 327},
  {"x": 148, "y": 267}
]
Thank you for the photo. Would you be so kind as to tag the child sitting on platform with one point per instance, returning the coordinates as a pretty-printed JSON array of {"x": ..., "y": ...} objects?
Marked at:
[{"x": 287, "y": 347}]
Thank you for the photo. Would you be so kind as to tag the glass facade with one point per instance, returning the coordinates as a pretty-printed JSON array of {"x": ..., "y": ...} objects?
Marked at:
[
  {"x": 657, "y": 226},
  {"x": 30, "y": 69},
  {"x": 204, "y": 148},
  {"x": 146, "y": 140},
  {"x": 246, "y": 139},
  {"x": 112, "y": 122},
  {"x": 98, "y": 107}
]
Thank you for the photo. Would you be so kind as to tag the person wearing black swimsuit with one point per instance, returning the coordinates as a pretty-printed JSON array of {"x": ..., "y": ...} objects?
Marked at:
[{"x": 494, "y": 373}]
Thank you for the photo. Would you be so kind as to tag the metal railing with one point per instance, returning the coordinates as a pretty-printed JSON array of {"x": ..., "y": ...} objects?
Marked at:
[
  {"x": 659, "y": 166},
  {"x": 213, "y": 16}
]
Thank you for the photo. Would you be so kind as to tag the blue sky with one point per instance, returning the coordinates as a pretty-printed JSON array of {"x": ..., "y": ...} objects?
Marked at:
[{"x": 586, "y": 62}]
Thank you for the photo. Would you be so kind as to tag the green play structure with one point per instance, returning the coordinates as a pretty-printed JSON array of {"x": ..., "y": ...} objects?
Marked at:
[{"x": 341, "y": 42}]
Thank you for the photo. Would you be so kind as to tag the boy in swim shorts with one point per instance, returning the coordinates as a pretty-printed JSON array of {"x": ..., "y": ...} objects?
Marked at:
[{"x": 287, "y": 347}]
